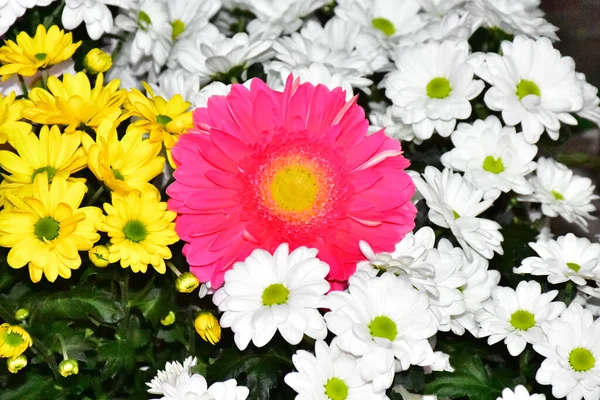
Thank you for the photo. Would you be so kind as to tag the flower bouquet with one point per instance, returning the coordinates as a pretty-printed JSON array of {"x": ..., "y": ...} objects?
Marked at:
[{"x": 250, "y": 199}]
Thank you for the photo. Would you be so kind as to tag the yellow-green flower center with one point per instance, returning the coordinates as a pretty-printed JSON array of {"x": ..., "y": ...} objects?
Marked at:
[
  {"x": 178, "y": 27},
  {"x": 144, "y": 21},
  {"x": 41, "y": 56},
  {"x": 383, "y": 327},
  {"x": 12, "y": 339},
  {"x": 439, "y": 88},
  {"x": 574, "y": 266},
  {"x": 336, "y": 389},
  {"x": 294, "y": 188},
  {"x": 51, "y": 171},
  {"x": 522, "y": 320},
  {"x": 163, "y": 119},
  {"x": 384, "y": 25},
  {"x": 581, "y": 359},
  {"x": 118, "y": 175},
  {"x": 493, "y": 165},
  {"x": 456, "y": 215},
  {"x": 46, "y": 228},
  {"x": 557, "y": 195},
  {"x": 135, "y": 231},
  {"x": 526, "y": 88},
  {"x": 275, "y": 294}
]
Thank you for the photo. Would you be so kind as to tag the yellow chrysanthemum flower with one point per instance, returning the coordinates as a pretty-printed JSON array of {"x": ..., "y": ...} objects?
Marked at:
[
  {"x": 123, "y": 165},
  {"x": 57, "y": 154},
  {"x": 140, "y": 228},
  {"x": 11, "y": 125},
  {"x": 14, "y": 340},
  {"x": 164, "y": 120},
  {"x": 47, "y": 231},
  {"x": 29, "y": 54},
  {"x": 74, "y": 103}
]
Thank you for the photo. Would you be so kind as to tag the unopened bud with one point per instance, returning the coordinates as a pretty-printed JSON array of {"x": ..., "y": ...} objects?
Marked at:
[
  {"x": 97, "y": 61},
  {"x": 21, "y": 314},
  {"x": 15, "y": 364},
  {"x": 208, "y": 327},
  {"x": 169, "y": 319},
  {"x": 186, "y": 282},
  {"x": 68, "y": 367},
  {"x": 99, "y": 256}
]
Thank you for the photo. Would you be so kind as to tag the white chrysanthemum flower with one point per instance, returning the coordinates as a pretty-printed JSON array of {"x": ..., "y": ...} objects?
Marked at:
[
  {"x": 387, "y": 117},
  {"x": 177, "y": 81},
  {"x": 455, "y": 203},
  {"x": 195, "y": 387},
  {"x": 408, "y": 260},
  {"x": 591, "y": 101},
  {"x": 518, "y": 316},
  {"x": 387, "y": 19},
  {"x": 439, "y": 8},
  {"x": 329, "y": 374},
  {"x": 216, "y": 58},
  {"x": 562, "y": 193},
  {"x": 274, "y": 17},
  {"x": 494, "y": 158},
  {"x": 524, "y": 91},
  {"x": 452, "y": 26},
  {"x": 268, "y": 293},
  {"x": 520, "y": 393},
  {"x": 572, "y": 364},
  {"x": 170, "y": 374},
  {"x": 432, "y": 86},
  {"x": 441, "y": 363},
  {"x": 566, "y": 258},
  {"x": 517, "y": 17},
  {"x": 10, "y": 10},
  {"x": 95, "y": 13},
  {"x": 386, "y": 322},
  {"x": 214, "y": 89},
  {"x": 130, "y": 74},
  {"x": 148, "y": 23},
  {"x": 188, "y": 18},
  {"x": 449, "y": 278},
  {"x": 480, "y": 283}
]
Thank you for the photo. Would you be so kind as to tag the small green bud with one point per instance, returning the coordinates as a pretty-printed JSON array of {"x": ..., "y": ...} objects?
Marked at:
[
  {"x": 169, "y": 319},
  {"x": 22, "y": 314},
  {"x": 15, "y": 364},
  {"x": 68, "y": 367}
]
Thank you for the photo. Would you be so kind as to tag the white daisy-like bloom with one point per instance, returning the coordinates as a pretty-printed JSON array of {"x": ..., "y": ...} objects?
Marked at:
[
  {"x": 481, "y": 281},
  {"x": 94, "y": 13},
  {"x": 389, "y": 20},
  {"x": 408, "y": 260},
  {"x": 387, "y": 117},
  {"x": 563, "y": 193},
  {"x": 177, "y": 81},
  {"x": 329, "y": 374},
  {"x": 520, "y": 393},
  {"x": 517, "y": 17},
  {"x": 214, "y": 56},
  {"x": 494, "y": 158},
  {"x": 130, "y": 74},
  {"x": 449, "y": 278},
  {"x": 439, "y": 8},
  {"x": 10, "y": 10},
  {"x": 268, "y": 293},
  {"x": 525, "y": 93},
  {"x": 566, "y": 258},
  {"x": 432, "y": 86},
  {"x": 276, "y": 17},
  {"x": 590, "y": 302},
  {"x": 195, "y": 387},
  {"x": 572, "y": 351},
  {"x": 406, "y": 395},
  {"x": 147, "y": 21},
  {"x": 385, "y": 322},
  {"x": 518, "y": 316},
  {"x": 455, "y": 203},
  {"x": 188, "y": 18},
  {"x": 170, "y": 374},
  {"x": 452, "y": 26},
  {"x": 591, "y": 101}
]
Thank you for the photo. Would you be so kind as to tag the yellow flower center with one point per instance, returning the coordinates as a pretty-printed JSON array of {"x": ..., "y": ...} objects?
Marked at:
[
  {"x": 557, "y": 195},
  {"x": 456, "y": 215},
  {"x": 522, "y": 320},
  {"x": 46, "y": 228},
  {"x": 41, "y": 56},
  {"x": 383, "y": 327},
  {"x": 581, "y": 359},
  {"x": 574, "y": 266},
  {"x": 51, "y": 171},
  {"x": 384, "y": 25},
  {"x": 439, "y": 88},
  {"x": 336, "y": 389},
  {"x": 275, "y": 294},
  {"x": 178, "y": 27},
  {"x": 294, "y": 188},
  {"x": 13, "y": 339},
  {"x": 135, "y": 231},
  {"x": 144, "y": 21},
  {"x": 163, "y": 119},
  {"x": 493, "y": 165},
  {"x": 526, "y": 88},
  {"x": 118, "y": 175}
]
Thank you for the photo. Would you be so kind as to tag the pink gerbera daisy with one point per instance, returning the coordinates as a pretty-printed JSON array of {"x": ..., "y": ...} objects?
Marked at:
[{"x": 263, "y": 167}]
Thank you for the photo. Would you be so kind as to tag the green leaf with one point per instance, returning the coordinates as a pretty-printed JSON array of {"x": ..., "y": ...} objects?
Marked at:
[
  {"x": 78, "y": 304},
  {"x": 34, "y": 387},
  {"x": 154, "y": 304},
  {"x": 118, "y": 356}
]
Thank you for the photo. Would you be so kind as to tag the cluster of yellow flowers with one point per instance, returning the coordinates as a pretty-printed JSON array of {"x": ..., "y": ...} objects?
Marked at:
[{"x": 51, "y": 135}]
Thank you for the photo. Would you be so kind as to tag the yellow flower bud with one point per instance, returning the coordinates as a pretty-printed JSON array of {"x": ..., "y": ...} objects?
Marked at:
[
  {"x": 187, "y": 282},
  {"x": 99, "y": 256},
  {"x": 15, "y": 364},
  {"x": 169, "y": 319},
  {"x": 68, "y": 367},
  {"x": 14, "y": 340},
  {"x": 208, "y": 327},
  {"x": 97, "y": 61},
  {"x": 21, "y": 314}
]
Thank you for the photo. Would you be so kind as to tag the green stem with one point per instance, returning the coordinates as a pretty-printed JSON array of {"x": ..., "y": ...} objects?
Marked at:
[
  {"x": 45, "y": 79},
  {"x": 63, "y": 348},
  {"x": 569, "y": 293},
  {"x": 173, "y": 268},
  {"x": 45, "y": 353},
  {"x": 24, "y": 87},
  {"x": 125, "y": 300},
  {"x": 96, "y": 195}
]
